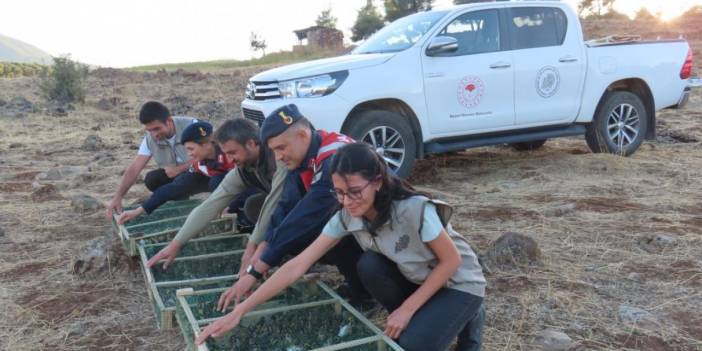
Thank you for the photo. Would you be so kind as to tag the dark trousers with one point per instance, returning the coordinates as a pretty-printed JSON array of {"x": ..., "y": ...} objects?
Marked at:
[
  {"x": 155, "y": 179},
  {"x": 448, "y": 314},
  {"x": 253, "y": 205},
  {"x": 181, "y": 187}
]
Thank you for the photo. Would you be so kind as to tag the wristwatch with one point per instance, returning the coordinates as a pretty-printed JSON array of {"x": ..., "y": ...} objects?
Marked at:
[{"x": 254, "y": 273}]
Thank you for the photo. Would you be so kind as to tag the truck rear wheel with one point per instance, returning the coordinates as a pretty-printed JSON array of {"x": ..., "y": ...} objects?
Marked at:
[
  {"x": 391, "y": 136},
  {"x": 528, "y": 145},
  {"x": 619, "y": 126}
]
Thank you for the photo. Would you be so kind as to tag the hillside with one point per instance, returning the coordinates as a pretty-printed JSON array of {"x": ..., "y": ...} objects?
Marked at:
[{"x": 13, "y": 50}]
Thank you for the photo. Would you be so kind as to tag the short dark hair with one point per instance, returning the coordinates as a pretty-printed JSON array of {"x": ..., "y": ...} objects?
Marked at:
[
  {"x": 238, "y": 129},
  {"x": 153, "y": 111}
]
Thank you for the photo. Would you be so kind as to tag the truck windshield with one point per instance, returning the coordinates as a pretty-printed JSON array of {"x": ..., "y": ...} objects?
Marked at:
[{"x": 401, "y": 34}]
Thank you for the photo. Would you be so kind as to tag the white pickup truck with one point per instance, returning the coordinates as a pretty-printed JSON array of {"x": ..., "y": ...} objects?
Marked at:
[{"x": 516, "y": 72}]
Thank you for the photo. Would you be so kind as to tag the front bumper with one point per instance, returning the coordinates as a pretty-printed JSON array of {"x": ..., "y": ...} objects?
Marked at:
[{"x": 328, "y": 112}]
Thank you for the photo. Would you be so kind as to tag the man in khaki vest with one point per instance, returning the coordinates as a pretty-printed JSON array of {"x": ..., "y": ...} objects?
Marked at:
[{"x": 162, "y": 143}]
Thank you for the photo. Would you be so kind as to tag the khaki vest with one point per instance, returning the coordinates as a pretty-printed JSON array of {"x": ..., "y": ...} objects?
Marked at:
[
  {"x": 400, "y": 241},
  {"x": 163, "y": 153}
]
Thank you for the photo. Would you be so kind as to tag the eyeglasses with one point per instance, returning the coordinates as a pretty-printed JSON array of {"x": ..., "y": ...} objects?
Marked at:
[{"x": 353, "y": 194}]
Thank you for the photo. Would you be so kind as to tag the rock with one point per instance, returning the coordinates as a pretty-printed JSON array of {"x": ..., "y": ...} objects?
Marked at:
[
  {"x": 552, "y": 340},
  {"x": 104, "y": 105},
  {"x": 57, "y": 109},
  {"x": 101, "y": 257},
  {"x": 17, "y": 107},
  {"x": 104, "y": 159},
  {"x": 85, "y": 203},
  {"x": 636, "y": 317},
  {"x": 16, "y": 145},
  {"x": 2, "y": 232},
  {"x": 93, "y": 143},
  {"x": 510, "y": 251},
  {"x": 657, "y": 243},
  {"x": 561, "y": 210},
  {"x": 46, "y": 192},
  {"x": 62, "y": 173},
  {"x": 179, "y": 105},
  {"x": 634, "y": 277},
  {"x": 598, "y": 166},
  {"x": 2, "y": 102},
  {"x": 211, "y": 110}
]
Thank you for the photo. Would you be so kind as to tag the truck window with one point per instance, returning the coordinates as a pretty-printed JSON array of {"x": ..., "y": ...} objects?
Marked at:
[
  {"x": 476, "y": 32},
  {"x": 401, "y": 34},
  {"x": 535, "y": 27}
]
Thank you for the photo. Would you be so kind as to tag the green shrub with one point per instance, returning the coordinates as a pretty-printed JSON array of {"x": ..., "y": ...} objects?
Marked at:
[{"x": 64, "y": 82}]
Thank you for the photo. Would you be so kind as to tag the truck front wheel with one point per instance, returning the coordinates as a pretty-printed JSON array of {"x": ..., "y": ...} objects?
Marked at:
[
  {"x": 391, "y": 136},
  {"x": 619, "y": 126}
]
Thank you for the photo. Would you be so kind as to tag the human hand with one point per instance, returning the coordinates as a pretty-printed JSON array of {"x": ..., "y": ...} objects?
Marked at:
[
  {"x": 397, "y": 322},
  {"x": 168, "y": 254},
  {"x": 221, "y": 326},
  {"x": 115, "y": 205},
  {"x": 236, "y": 292},
  {"x": 127, "y": 216}
]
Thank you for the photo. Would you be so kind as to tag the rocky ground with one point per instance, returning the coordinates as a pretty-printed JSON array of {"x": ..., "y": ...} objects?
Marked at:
[{"x": 613, "y": 257}]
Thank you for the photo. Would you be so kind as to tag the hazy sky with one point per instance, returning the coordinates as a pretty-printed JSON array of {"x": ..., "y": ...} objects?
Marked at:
[{"x": 121, "y": 33}]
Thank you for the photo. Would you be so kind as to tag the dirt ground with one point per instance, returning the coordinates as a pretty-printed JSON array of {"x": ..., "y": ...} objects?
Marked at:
[{"x": 598, "y": 255}]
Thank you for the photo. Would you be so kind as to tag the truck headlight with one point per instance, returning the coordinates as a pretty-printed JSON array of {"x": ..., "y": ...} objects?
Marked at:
[{"x": 315, "y": 86}]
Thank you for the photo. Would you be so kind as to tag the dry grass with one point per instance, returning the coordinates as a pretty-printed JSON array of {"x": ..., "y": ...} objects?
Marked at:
[{"x": 593, "y": 262}]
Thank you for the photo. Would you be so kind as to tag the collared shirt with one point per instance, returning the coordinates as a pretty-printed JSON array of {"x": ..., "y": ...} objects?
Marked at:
[
  {"x": 301, "y": 214},
  {"x": 219, "y": 165}
]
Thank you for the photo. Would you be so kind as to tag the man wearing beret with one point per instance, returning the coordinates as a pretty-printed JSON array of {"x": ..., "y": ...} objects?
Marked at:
[
  {"x": 305, "y": 205},
  {"x": 208, "y": 167},
  {"x": 239, "y": 138},
  {"x": 162, "y": 144}
]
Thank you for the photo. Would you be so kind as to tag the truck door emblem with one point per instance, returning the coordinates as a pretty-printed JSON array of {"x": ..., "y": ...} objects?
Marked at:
[
  {"x": 547, "y": 82},
  {"x": 470, "y": 91}
]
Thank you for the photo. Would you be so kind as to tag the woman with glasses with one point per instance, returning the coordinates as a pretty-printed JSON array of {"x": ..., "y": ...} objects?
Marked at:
[{"x": 424, "y": 273}]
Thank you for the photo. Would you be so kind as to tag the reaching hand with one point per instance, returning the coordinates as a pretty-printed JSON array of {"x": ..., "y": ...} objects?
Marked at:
[
  {"x": 397, "y": 322},
  {"x": 236, "y": 292},
  {"x": 168, "y": 254},
  {"x": 221, "y": 326},
  {"x": 114, "y": 205},
  {"x": 127, "y": 216}
]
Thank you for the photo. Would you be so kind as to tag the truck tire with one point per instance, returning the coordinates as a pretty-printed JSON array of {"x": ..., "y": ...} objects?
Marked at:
[
  {"x": 390, "y": 134},
  {"x": 528, "y": 145},
  {"x": 619, "y": 127}
]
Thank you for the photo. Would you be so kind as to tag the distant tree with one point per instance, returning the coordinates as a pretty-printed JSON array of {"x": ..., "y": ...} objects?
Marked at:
[
  {"x": 395, "y": 9},
  {"x": 368, "y": 22},
  {"x": 644, "y": 15},
  {"x": 64, "y": 82},
  {"x": 615, "y": 15},
  {"x": 257, "y": 43},
  {"x": 325, "y": 19},
  {"x": 693, "y": 11},
  {"x": 594, "y": 7}
]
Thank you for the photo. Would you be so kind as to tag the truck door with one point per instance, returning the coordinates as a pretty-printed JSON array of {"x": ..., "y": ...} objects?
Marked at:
[
  {"x": 549, "y": 65},
  {"x": 471, "y": 88}
]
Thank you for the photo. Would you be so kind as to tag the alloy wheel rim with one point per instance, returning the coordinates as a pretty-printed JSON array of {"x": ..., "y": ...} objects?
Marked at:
[
  {"x": 388, "y": 143},
  {"x": 623, "y": 125}
]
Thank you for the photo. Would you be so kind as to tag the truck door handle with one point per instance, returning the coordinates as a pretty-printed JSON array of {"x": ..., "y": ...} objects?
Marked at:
[
  {"x": 500, "y": 65},
  {"x": 567, "y": 59}
]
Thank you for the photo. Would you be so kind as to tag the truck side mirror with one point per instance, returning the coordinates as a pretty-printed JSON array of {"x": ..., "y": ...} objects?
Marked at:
[{"x": 442, "y": 44}]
